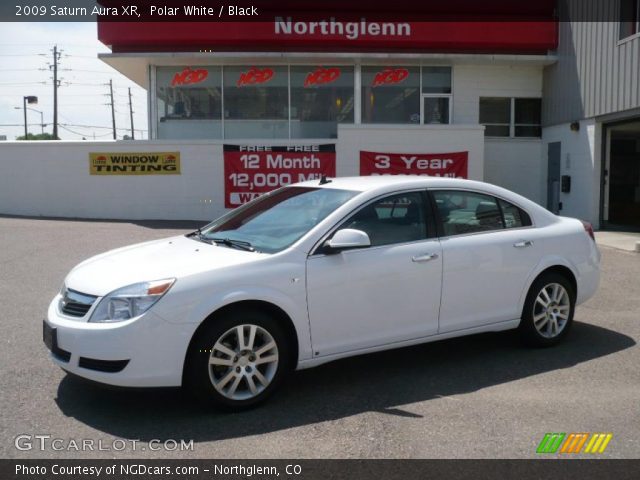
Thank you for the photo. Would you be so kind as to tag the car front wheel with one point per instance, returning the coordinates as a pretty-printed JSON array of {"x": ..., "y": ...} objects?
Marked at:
[
  {"x": 238, "y": 360},
  {"x": 548, "y": 311}
]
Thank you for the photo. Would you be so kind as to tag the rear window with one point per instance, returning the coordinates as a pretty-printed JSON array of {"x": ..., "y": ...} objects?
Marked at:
[
  {"x": 514, "y": 217},
  {"x": 464, "y": 212}
]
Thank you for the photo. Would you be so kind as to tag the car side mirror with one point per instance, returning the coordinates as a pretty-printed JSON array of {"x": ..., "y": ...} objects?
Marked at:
[{"x": 347, "y": 239}]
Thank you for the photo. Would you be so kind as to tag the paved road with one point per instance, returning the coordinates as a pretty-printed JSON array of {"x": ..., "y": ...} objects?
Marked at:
[{"x": 482, "y": 396}]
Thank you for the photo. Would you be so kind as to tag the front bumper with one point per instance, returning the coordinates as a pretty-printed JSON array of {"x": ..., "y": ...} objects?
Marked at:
[{"x": 145, "y": 352}]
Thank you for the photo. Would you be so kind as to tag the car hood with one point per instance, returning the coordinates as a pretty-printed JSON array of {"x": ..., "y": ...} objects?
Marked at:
[{"x": 173, "y": 257}]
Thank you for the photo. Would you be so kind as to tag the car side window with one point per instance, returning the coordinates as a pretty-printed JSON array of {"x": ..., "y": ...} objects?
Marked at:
[
  {"x": 467, "y": 212},
  {"x": 397, "y": 218},
  {"x": 514, "y": 217}
]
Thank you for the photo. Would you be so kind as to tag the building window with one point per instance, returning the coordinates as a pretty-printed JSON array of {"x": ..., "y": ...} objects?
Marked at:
[
  {"x": 436, "y": 95},
  {"x": 189, "y": 102},
  {"x": 321, "y": 98},
  {"x": 256, "y": 102},
  {"x": 390, "y": 95},
  {"x": 511, "y": 117},
  {"x": 629, "y": 18}
]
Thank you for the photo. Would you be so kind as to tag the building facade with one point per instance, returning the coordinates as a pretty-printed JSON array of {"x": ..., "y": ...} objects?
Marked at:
[
  {"x": 542, "y": 107},
  {"x": 591, "y": 114}
]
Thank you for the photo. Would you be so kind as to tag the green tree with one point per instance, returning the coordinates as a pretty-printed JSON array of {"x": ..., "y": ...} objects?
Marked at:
[{"x": 39, "y": 136}]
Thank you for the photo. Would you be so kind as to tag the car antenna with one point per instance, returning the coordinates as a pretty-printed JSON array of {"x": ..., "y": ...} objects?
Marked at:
[{"x": 324, "y": 180}]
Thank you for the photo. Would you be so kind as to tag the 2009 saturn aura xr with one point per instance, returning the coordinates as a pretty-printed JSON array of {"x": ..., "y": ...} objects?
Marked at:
[{"x": 318, "y": 271}]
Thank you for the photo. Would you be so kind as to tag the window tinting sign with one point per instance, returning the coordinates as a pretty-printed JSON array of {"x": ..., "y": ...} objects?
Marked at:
[{"x": 134, "y": 163}]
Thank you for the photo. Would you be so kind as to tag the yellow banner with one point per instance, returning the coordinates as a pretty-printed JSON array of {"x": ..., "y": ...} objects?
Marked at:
[{"x": 136, "y": 163}]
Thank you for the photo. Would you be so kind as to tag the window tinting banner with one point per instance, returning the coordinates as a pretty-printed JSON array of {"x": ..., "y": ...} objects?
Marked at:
[
  {"x": 453, "y": 165},
  {"x": 250, "y": 171}
]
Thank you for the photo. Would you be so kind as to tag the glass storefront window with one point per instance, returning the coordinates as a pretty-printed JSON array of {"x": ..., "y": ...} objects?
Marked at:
[
  {"x": 307, "y": 101},
  {"x": 495, "y": 115},
  {"x": 436, "y": 110},
  {"x": 390, "y": 95},
  {"x": 436, "y": 91},
  {"x": 321, "y": 98},
  {"x": 189, "y": 102},
  {"x": 499, "y": 121},
  {"x": 256, "y": 102},
  {"x": 528, "y": 113},
  {"x": 436, "y": 80}
]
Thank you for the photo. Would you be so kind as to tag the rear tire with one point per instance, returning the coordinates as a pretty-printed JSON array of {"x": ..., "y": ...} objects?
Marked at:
[
  {"x": 238, "y": 360},
  {"x": 548, "y": 311}
]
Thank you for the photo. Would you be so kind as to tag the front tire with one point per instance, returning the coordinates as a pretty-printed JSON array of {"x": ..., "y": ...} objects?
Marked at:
[
  {"x": 548, "y": 311},
  {"x": 238, "y": 360}
]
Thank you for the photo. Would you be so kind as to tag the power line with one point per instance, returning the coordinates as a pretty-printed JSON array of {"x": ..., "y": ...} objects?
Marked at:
[
  {"x": 125, "y": 129},
  {"x": 24, "y": 55},
  {"x": 83, "y": 135},
  {"x": 17, "y": 84},
  {"x": 22, "y": 69},
  {"x": 20, "y": 124}
]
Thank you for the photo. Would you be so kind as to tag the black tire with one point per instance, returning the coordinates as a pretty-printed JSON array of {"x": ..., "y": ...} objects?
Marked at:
[
  {"x": 531, "y": 335},
  {"x": 199, "y": 378}
]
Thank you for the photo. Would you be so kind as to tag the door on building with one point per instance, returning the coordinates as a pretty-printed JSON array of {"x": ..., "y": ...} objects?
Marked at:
[
  {"x": 622, "y": 174},
  {"x": 553, "y": 177}
]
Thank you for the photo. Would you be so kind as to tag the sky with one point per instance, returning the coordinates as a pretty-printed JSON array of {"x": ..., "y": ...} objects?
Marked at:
[{"x": 83, "y": 101}]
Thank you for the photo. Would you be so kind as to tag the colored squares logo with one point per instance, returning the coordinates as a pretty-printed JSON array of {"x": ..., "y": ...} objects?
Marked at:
[{"x": 574, "y": 443}]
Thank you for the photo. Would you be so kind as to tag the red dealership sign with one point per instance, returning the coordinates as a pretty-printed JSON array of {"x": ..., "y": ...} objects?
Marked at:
[
  {"x": 254, "y": 76},
  {"x": 189, "y": 77},
  {"x": 322, "y": 76},
  {"x": 453, "y": 165},
  {"x": 250, "y": 171},
  {"x": 390, "y": 76},
  {"x": 290, "y": 34}
]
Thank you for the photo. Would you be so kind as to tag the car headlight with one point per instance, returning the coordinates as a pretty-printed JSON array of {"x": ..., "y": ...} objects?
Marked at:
[{"x": 130, "y": 301}]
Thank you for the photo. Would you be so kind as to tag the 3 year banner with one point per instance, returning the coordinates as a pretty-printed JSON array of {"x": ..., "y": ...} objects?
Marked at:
[
  {"x": 250, "y": 170},
  {"x": 453, "y": 165}
]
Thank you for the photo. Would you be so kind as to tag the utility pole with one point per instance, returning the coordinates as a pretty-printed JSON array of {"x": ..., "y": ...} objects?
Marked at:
[
  {"x": 113, "y": 110},
  {"x": 56, "y": 57},
  {"x": 133, "y": 135},
  {"x": 26, "y": 132}
]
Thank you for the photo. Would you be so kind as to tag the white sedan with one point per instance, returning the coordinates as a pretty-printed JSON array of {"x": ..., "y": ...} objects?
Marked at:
[{"x": 318, "y": 271}]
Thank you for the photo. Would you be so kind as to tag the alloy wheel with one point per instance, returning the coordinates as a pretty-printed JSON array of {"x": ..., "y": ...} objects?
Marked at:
[
  {"x": 551, "y": 310},
  {"x": 243, "y": 362}
]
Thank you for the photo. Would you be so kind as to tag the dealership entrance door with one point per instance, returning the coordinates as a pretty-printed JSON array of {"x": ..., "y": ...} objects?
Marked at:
[{"x": 621, "y": 207}]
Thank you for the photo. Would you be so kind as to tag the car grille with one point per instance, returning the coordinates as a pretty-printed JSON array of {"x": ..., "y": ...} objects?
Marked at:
[
  {"x": 109, "y": 366},
  {"x": 76, "y": 304}
]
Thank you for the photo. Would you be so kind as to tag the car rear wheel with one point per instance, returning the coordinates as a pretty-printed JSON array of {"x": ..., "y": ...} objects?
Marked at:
[
  {"x": 238, "y": 360},
  {"x": 548, "y": 310}
]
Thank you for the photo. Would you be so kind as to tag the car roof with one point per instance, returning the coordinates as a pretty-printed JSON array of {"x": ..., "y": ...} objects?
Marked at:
[
  {"x": 374, "y": 185},
  {"x": 393, "y": 182}
]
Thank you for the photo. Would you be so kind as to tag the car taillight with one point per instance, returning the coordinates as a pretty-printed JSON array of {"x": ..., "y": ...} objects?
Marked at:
[{"x": 589, "y": 229}]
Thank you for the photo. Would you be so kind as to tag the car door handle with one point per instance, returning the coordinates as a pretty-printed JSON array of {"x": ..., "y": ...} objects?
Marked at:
[
  {"x": 523, "y": 244},
  {"x": 424, "y": 258}
]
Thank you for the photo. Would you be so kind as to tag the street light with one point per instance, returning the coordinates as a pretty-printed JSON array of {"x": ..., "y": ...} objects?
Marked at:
[
  {"x": 31, "y": 100},
  {"x": 42, "y": 124}
]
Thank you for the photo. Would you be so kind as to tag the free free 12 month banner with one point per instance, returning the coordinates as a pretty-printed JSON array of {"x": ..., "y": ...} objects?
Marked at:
[
  {"x": 454, "y": 165},
  {"x": 251, "y": 170}
]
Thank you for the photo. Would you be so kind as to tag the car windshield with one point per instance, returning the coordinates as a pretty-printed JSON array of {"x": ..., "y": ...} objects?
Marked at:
[{"x": 275, "y": 220}]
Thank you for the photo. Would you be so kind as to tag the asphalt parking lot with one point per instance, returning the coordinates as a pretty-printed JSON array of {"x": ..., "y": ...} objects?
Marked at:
[{"x": 476, "y": 397}]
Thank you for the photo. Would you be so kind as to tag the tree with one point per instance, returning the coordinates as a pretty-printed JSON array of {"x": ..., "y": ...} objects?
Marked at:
[{"x": 39, "y": 136}]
